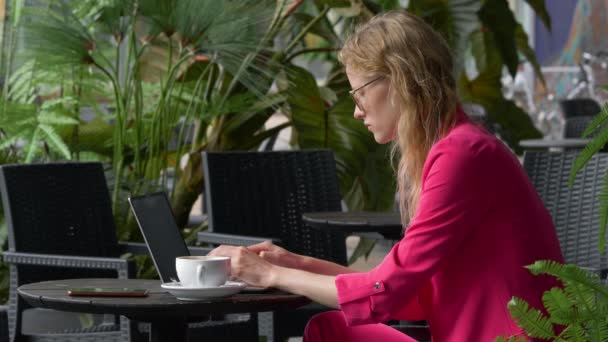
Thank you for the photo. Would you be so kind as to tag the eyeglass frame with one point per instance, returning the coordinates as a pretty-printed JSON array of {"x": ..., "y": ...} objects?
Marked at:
[{"x": 353, "y": 91}]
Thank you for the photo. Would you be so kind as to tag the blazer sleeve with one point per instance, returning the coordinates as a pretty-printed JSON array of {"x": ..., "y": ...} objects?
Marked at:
[{"x": 456, "y": 194}]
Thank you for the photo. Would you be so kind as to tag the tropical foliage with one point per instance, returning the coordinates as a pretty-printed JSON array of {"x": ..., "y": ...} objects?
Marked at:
[
  {"x": 146, "y": 85},
  {"x": 597, "y": 131},
  {"x": 576, "y": 312}
]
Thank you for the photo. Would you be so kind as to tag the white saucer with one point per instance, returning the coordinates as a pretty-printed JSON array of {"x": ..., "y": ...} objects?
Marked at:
[{"x": 194, "y": 293}]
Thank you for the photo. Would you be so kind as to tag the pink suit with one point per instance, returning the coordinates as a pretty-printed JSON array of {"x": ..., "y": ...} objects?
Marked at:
[{"x": 478, "y": 223}]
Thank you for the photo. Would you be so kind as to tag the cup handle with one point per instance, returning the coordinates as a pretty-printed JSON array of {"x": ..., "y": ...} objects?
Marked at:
[{"x": 200, "y": 275}]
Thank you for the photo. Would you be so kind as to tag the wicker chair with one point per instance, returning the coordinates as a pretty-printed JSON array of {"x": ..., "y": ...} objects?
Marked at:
[
  {"x": 256, "y": 196},
  {"x": 60, "y": 226},
  {"x": 575, "y": 210}
]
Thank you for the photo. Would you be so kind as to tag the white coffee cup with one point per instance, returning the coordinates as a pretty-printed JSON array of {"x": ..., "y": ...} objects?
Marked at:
[{"x": 202, "y": 271}]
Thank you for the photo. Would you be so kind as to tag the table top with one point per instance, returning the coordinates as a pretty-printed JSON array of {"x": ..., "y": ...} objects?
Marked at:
[
  {"x": 387, "y": 224},
  {"x": 548, "y": 143},
  {"x": 157, "y": 305}
]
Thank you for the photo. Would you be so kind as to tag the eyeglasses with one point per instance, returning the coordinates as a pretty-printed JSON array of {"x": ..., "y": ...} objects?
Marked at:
[{"x": 357, "y": 98}]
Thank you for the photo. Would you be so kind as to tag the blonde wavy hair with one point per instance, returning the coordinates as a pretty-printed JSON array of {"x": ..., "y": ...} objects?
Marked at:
[{"x": 418, "y": 63}]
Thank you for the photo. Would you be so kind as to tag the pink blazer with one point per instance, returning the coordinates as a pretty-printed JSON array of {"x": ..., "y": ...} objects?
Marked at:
[{"x": 478, "y": 223}]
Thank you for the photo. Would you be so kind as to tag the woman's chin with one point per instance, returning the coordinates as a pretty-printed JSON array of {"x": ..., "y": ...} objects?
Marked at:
[{"x": 382, "y": 139}]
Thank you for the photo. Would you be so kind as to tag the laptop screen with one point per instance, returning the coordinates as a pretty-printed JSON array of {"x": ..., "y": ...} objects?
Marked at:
[{"x": 157, "y": 224}]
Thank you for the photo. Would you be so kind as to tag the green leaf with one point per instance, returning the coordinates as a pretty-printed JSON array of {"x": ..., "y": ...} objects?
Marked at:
[
  {"x": 322, "y": 28},
  {"x": 17, "y": 8},
  {"x": 532, "y": 320},
  {"x": 32, "y": 146},
  {"x": 454, "y": 19},
  {"x": 478, "y": 49},
  {"x": 54, "y": 141},
  {"x": 497, "y": 17},
  {"x": 360, "y": 161},
  {"x": 595, "y": 145},
  {"x": 603, "y": 214},
  {"x": 558, "y": 306},
  {"x": 569, "y": 274},
  {"x": 523, "y": 45},
  {"x": 332, "y": 3},
  {"x": 364, "y": 248},
  {"x": 541, "y": 11},
  {"x": 54, "y": 118}
]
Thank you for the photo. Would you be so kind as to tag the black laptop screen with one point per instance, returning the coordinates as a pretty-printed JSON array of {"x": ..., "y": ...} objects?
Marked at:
[{"x": 157, "y": 224}]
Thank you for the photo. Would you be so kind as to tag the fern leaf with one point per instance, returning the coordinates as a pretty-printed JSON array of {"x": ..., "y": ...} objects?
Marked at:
[
  {"x": 595, "y": 145},
  {"x": 603, "y": 214},
  {"x": 573, "y": 332},
  {"x": 531, "y": 320},
  {"x": 32, "y": 146},
  {"x": 559, "y": 306},
  {"x": 569, "y": 273},
  {"x": 8, "y": 142},
  {"x": 596, "y": 122},
  {"x": 54, "y": 118},
  {"x": 517, "y": 338},
  {"x": 54, "y": 141}
]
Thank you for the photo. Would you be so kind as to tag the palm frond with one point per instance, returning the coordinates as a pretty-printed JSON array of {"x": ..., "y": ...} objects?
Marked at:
[{"x": 58, "y": 36}]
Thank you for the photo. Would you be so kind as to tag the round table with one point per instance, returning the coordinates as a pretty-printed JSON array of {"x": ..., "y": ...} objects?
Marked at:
[
  {"x": 168, "y": 316},
  {"x": 554, "y": 143},
  {"x": 387, "y": 224}
]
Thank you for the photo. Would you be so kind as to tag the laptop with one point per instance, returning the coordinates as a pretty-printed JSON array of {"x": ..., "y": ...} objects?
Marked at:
[{"x": 157, "y": 224}]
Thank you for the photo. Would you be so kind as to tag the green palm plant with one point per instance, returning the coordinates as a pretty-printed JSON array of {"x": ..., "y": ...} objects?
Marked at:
[
  {"x": 576, "y": 312},
  {"x": 597, "y": 131},
  {"x": 152, "y": 68}
]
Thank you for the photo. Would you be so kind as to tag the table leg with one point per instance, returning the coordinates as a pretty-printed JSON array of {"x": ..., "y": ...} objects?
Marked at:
[{"x": 169, "y": 331}]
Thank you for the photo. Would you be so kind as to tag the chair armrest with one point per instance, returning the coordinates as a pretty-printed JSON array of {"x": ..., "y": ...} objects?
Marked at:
[
  {"x": 122, "y": 266},
  {"x": 230, "y": 239},
  {"x": 136, "y": 248},
  {"x": 140, "y": 248},
  {"x": 199, "y": 250}
]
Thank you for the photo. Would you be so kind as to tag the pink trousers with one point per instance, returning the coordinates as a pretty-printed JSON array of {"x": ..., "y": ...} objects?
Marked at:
[{"x": 331, "y": 327}]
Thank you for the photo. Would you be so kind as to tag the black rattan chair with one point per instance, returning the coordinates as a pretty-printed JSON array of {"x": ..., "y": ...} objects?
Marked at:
[
  {"x": 60, "y": 226},
  {"x": 256, "y": 196},
  {"x": 575, "y": 210}
]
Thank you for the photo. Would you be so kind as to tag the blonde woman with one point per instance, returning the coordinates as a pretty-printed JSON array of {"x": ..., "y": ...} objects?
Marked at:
[{"x": 475, "y": 218}]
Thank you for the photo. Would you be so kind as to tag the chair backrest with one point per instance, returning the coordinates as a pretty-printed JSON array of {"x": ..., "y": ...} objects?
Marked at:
[
  {"x": 157, "y": 224},
  {"x": 575, "y": 126},
  {"x": 579, "y": 107},
  {"x": 58, "y": 208},
  {"x": 265, "y": 193},
  {"x": 575, "y": 210}
]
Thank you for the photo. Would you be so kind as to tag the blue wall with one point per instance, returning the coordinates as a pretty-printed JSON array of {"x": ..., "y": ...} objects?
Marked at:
[{"x": 548, "y": 45}]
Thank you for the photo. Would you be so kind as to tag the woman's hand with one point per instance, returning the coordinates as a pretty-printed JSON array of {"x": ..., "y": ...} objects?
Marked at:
[
  {"x": 247, "y": 265},
  {"x": 276, "y": 255}
]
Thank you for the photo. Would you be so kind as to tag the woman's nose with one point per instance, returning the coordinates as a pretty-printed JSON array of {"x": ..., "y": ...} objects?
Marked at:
[{"x": 358, "y": 113}]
